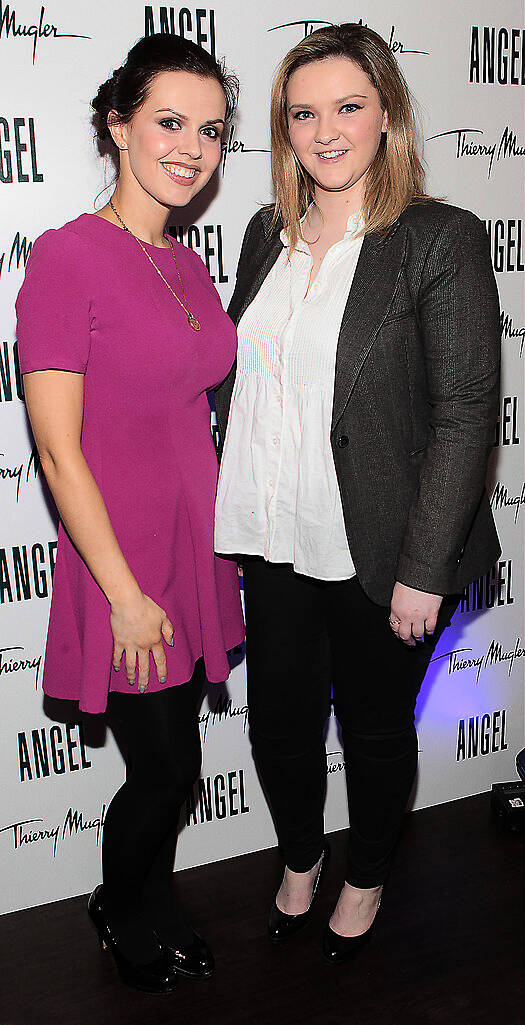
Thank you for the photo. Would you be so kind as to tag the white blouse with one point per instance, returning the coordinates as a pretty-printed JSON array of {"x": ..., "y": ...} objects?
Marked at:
[{"x": 277, "y": 492}]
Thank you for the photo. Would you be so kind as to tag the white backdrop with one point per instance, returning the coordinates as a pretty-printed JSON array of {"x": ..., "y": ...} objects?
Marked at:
[{"x": 467, "y": 70}]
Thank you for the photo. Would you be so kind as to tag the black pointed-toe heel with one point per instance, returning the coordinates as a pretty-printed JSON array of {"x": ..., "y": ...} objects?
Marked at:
[
  {"x": 194, "y": 959},
  {"x": 281, "y": 925},
  {"x": 339, "y": 949},
  {"x": 156, "y": 976}
]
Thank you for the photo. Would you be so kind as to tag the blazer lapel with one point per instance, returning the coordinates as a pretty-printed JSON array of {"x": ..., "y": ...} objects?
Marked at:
[
  {"x": 373, "y": 286},
  {"x": 375, "y": 279}
]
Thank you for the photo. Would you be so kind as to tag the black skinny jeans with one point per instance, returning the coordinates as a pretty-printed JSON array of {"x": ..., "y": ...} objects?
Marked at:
[
  {"x": 160, "y": 735},
  {"x": 303, "y": 636}
]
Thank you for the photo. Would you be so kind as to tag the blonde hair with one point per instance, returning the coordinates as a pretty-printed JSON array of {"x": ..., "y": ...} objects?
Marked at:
[{"x": 396, "y": 176}]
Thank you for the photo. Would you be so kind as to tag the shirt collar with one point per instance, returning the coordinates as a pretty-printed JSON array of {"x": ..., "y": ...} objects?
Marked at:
[{"x": 354, "y": 224}]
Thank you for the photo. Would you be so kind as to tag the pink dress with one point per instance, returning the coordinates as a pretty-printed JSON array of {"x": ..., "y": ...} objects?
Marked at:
[{"x": 92, "y": 303}]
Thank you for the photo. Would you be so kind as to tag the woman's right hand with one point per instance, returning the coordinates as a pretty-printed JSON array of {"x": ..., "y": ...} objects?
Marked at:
[{"x": 138, "y": 626}]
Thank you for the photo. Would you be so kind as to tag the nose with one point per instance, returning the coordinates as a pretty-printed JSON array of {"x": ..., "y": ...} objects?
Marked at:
[
  {"x": 326, "y": 131},
  {"x": 190, "y": 144}
]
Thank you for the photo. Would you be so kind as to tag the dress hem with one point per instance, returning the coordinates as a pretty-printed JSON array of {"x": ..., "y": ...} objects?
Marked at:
[{"x": 97, "y": 708}]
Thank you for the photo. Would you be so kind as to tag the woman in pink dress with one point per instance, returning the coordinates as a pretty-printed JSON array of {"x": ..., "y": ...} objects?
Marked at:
[{"x": 121, "y": 334}]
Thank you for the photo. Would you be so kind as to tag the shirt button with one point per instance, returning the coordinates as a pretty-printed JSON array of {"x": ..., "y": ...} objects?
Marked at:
[
  {"x": 270, "y": 483},
  {"x": 343, "y": 441},
  {"x": 276, "y": 440}
]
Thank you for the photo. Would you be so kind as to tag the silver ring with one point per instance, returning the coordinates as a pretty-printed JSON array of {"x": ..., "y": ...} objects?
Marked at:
[{"x": 394, "y": 622}]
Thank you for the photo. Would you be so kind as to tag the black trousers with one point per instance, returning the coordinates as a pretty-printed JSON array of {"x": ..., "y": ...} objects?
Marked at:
[
  {"x": 304, "y": 637},
  {"x": 160, "y": 737}
]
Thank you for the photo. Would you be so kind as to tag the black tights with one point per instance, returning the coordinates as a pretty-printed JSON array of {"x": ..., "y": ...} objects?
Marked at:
[
  {"x": 302, "y": 635},
  {"x": 160, "y": 736}
]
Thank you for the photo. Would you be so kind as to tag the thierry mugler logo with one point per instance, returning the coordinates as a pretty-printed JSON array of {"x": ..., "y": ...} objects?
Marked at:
[
  {"x": 224, "y": 710},
  {"x": 33, "y": 831},
  {"x": 466, "y": 146},
  {"x": 502, "y": 500},
  {"x": 233, "y": 145},
  {"x": 18, "y": 254},
  {"x": 21, "y": 472},
  {"x": 10, "y": 26},
  {"x": 459, "y": 661},
  {"x": 509, "y": 331},
  {"x": 310, "y": 25},
  {"x": 12, "y": 662}
]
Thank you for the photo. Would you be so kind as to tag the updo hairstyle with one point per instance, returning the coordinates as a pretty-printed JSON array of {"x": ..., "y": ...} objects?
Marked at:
[{"x": 128, "y": 86}]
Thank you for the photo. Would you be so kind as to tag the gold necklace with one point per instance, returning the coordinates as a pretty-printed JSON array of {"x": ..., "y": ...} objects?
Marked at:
[{"x": 192, "y": 321}]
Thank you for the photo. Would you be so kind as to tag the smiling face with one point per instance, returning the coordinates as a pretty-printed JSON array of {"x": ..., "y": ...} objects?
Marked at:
[
  {"x": 335, "y": 122},
  {"x": 172, "y": 145}
]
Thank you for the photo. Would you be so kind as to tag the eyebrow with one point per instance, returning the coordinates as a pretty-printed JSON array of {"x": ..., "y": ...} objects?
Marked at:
[
  {"x": 184, "y": 117},
  {"x": 342, "y": 99}
]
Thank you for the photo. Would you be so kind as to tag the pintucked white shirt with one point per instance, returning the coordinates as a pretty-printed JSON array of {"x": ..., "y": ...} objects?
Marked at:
[{"x": 277, "y": 494}]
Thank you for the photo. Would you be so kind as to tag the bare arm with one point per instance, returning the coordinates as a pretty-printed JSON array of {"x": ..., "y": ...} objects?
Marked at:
[{"x": 55, "y": 402}]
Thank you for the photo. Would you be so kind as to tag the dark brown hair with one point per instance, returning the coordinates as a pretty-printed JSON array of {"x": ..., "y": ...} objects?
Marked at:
[{"x": 126, "y": 89}]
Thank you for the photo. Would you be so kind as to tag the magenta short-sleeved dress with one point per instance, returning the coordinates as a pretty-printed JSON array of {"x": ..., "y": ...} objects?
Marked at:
[{"x": 92, "y": 303}]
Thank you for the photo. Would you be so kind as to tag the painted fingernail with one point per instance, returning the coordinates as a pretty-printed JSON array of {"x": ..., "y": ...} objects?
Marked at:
[
  {"x": 172, "y": 642},
  {"x": 116, "y": 668},
  {"x": 131, "y": 682},
  {"x": 162, "y": 679},
  {"x": 141, "y": 690}
]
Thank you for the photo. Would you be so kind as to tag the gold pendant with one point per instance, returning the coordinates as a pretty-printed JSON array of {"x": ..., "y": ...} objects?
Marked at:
[{"x": 193, "y": 322}]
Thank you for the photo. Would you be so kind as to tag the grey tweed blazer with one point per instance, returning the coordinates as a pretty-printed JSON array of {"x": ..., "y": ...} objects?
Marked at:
[{"x": 416, "y": 397}]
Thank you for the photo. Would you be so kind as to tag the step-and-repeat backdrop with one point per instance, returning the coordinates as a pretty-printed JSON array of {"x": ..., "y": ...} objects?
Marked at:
[{"x": 466, "y": 65}]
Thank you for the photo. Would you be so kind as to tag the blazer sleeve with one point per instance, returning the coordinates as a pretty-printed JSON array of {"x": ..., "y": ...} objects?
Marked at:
[{"x": 459, "y": 319}]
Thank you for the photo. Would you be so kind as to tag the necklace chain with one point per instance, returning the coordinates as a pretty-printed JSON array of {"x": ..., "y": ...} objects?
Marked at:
[{"x": 192, "y": 321}]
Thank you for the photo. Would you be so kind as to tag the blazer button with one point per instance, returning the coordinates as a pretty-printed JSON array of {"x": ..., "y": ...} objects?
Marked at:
[{"x": 343, "y": 441}]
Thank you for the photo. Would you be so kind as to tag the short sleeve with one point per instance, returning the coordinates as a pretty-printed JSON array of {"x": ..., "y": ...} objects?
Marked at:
[{"x": 53, "y": 306}]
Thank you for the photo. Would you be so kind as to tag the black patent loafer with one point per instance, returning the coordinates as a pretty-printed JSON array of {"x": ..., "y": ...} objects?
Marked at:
[
  {"x": 156, "y": 976},
  {"x": 194, "y": 959},
  {"x": 281, "y": 925}
]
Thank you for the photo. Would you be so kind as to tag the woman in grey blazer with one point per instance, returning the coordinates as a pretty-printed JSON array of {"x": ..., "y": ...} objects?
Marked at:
[{"x": 357, "y": 426}]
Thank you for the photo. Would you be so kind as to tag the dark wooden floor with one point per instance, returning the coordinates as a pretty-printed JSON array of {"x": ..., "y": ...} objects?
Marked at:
[{"x": 449, "y": 949}]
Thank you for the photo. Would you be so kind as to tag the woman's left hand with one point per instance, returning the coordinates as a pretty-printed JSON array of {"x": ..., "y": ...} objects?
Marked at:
[{"x": 413, "y": 613}]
